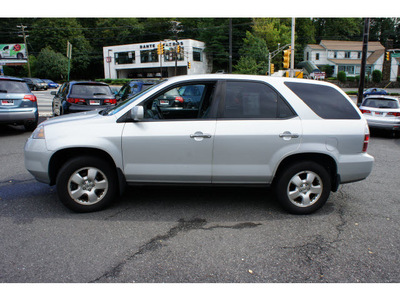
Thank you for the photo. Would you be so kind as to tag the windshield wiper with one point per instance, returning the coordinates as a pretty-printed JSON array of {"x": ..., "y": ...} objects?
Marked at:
[{"x": 104, "y": 112}]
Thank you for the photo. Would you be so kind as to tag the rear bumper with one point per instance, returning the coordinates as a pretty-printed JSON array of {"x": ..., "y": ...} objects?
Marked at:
[
  {"x": 353, "y": 168},
  {"x": 389, "y": 125},
  {"x": 20, "y": 115}
]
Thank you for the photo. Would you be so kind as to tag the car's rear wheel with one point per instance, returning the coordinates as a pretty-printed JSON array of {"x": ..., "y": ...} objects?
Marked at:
[
  {"x": 86, "y": 184},
  {"x": 303, "y": 187}
]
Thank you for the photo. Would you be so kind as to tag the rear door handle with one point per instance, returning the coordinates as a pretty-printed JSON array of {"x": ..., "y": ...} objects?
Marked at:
[{"x": 200, "y": 135}]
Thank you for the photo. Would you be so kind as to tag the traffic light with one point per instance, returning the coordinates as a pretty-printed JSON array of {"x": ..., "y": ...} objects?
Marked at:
[
  {"x": 189, "y": 65},
  {"x": 388, "y": 56},
  {"x": 178, "y": 49},
  {"x": 286, "y": 58},
  {"x": 272, "y": 71},
  {"x": 160, "y": 49}
]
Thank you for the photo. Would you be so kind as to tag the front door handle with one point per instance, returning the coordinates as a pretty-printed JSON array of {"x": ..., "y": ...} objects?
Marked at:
[
  {"x": 287, "y": 135},
  {"x": 198, "y": 136}
]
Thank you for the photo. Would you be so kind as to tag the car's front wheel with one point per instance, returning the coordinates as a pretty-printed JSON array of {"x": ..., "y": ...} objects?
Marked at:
[
  {"x": 303, "y": 187},
  {"x": 86, "y": 184}
]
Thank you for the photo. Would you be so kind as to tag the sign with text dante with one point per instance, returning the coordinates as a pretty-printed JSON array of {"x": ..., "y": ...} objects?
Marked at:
[{"x": 13, "y": 51}]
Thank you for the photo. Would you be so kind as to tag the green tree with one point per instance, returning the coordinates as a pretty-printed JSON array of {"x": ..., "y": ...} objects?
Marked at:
[
  {"x": 54, "y": 33},
  {"x": 51, "y": 65},
  {"x": 254, "y": 56},
  {"x": 338, "y": 29}
]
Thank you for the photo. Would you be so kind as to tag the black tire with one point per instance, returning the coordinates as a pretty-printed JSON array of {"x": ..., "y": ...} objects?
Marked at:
[
  {"x": 30, "y": 125},
  {"x": 303, "y": 187},
  {"x": 97, "y": 185}
]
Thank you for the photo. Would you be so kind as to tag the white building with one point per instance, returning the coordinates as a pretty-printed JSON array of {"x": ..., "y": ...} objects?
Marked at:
[
  {"x": 345, "y": 56},
  {"x": 142, "y": 61}
]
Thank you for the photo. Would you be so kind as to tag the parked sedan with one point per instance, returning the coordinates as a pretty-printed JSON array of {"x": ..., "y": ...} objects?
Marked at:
[
  {"x": 51, "y": 84},
  {"x": 132, "y": 88},
  {"x": 17, "y": 103},
  {"x": 82, "y": 96},
  {"x": 382, "y": 112},
  {"x": 36, "y": 84}
]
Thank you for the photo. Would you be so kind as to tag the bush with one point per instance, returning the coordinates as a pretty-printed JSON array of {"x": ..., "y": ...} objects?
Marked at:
[
  {"x": 352, "y": 79},
  {"x": 341, "y": 76},
  {"x": 328, "y": 70},
  {"x": 376, "y": 76}
]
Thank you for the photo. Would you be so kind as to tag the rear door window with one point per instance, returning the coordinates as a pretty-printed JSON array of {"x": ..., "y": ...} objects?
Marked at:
[
  {"x": 325, "y": 101},
  {"x": 254, "y": 100}
]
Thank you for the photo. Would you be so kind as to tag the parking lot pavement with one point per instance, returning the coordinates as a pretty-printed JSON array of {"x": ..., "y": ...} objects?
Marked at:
[{"x": 44, "y": 99}]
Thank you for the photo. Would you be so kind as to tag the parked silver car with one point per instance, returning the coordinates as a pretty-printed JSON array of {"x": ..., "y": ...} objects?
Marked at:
[
  {"x": 382, "y": 112},
  {"x": 301, "y": 137}
]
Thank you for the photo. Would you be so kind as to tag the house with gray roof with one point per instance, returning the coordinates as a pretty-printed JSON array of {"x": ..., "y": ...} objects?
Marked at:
[{"x": 345, "y": 56}]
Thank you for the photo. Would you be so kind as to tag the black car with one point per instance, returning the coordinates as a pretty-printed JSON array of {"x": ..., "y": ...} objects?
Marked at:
[
  {"x": 36, "y": 84},
  {"x": 18, "y": 106},
  {"x": 80, "y": 96}
]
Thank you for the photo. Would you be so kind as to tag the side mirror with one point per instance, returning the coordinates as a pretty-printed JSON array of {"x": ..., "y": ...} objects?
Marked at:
[
  {"x": 53, "y": 93},
  {"x": 137, "y": 113}
]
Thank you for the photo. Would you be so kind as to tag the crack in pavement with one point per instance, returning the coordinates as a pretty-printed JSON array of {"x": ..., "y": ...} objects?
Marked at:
[{"x": 157, "y": 242}]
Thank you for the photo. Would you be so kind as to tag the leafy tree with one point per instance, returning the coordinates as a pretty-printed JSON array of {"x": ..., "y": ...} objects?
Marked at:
[
  {"x": 254, "y": 55},
  {"x": 54, "y": 33},
  {"x": 51, "y": 65},
  {"x": 338, "y": 29}
]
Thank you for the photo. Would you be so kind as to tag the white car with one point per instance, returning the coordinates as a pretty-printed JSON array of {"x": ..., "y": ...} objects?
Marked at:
[
  {"x": 382, "y": 112},
  {"x": 303, "y": 138}
]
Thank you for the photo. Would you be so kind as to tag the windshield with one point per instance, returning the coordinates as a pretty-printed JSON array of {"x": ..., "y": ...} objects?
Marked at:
[
  {"x": 88, "y": 90},
  {"x": 11, "y": 86},
  {"x": 115, "y": 109},
  {"x": 380, "y": 103}
]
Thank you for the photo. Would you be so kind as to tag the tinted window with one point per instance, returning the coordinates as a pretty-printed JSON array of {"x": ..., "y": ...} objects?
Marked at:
[
  {"x": 380, "y": 103},
  {"x": 90, "y": 90},
  {"x": 325, "y": 101},
  {"x": 255, "y": 101},
  {"x": 11, "y": 86}
]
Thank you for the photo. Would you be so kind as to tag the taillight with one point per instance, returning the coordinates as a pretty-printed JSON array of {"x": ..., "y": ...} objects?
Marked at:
[
  {"x": 395, "y": 114},
  {"x": 76, "y": 100},
  {"x": 179, "y": 99},
  {"x": 31, "y": 98},
  {"x": 364, "y": 111},
  {"x": 366, "y": 141},
  {"x": 110, "y": 101}
]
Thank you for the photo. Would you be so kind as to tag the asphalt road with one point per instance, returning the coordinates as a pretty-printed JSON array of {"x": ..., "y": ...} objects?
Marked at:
[{"x": 213, "y": 235}]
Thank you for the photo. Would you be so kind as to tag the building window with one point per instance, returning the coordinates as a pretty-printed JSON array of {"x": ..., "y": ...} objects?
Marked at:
[
  {"x": 170, "y": 54},
  {"x": 316, "y": 56},
  {"x": 124, "y": 57},
  {"x": 308, "y": 56},
  {"x": 347, "y": 54},
  {"x": 197, "y": 54},
  {"x": 347, "y": 69},
  {"x": 335, "y": 54},
  {"x": 359, "y": 55},
  {"x": 148, "y": 56}
]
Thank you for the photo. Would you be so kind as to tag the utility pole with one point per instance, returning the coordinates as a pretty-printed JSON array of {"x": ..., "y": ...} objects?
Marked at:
[
  {"x": 26, "y": 46},
  {"x": 175, "y": 29},
  {"x": 230, "y": 45},
  {"x": 363, "y": 61},
  {"x": 291, "y": 72}
]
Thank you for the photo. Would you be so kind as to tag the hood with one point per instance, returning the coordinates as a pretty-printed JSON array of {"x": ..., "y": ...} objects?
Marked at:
[{"x": 91, "y": 114}]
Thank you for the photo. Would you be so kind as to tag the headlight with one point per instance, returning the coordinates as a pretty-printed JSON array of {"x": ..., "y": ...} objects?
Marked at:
[{"x": 38, "y": 133}]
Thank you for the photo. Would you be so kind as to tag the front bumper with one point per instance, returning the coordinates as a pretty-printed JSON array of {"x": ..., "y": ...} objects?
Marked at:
[{"x": 37, "y": 159}]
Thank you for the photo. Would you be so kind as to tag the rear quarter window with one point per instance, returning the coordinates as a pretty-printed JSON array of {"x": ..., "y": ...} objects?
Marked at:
[{"x": 325, "y": 101}]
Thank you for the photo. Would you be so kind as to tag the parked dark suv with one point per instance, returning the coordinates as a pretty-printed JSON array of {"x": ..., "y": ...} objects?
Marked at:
[
  {"x": 79, "y": 96},
  {"x": 36, "y": 84},
  {"x": 17, "y": 103}
]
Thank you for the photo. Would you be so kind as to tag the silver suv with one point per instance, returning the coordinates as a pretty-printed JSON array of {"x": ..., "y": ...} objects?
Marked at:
[{"x": 301, "y": 137}]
